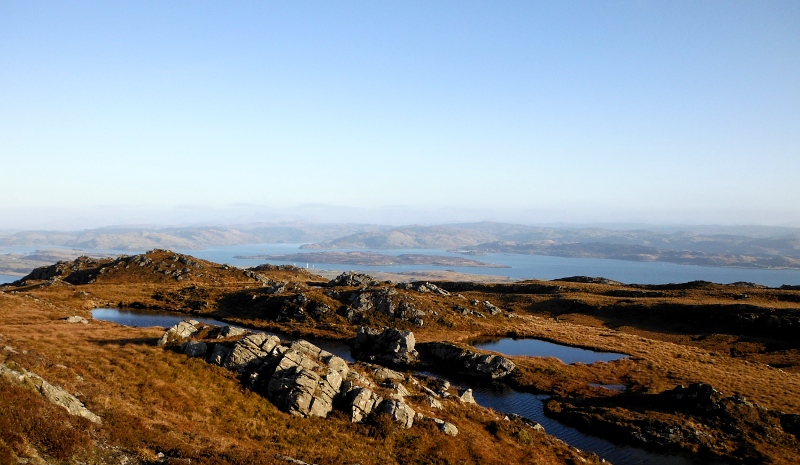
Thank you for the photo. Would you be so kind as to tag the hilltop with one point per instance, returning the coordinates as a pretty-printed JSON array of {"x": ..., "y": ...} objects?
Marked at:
[{"x": 739, "y": 341}]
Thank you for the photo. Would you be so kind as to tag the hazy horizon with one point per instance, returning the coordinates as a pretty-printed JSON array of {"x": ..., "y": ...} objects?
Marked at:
[
  {"x": 181, "y": 113},
  {"x": 75, "y": 218}
]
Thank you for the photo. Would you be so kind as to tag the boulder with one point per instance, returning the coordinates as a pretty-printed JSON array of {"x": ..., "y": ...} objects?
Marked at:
[
  {"x": 230, "y": 331},
  {"x": 433, "y": 402},
  {"x": 360, "y": 402},
  {"x": 399, "y": 411},
  {"x": 446, "y": 428},
  {"x": 382, "y": 373},
  {"x": 492, "y": 308},
  {"x": 466, "y": 397},
  {"x": 77, "y": 319},
  {"x": 183, "y": 330},
  {"x": 390, "y": 346}
]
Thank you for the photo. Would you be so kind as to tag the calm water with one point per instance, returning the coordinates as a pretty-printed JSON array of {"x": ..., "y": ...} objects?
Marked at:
[
  {"x": 501, "y": 398},
  {"x": 147, "y": 318},
  {"x": 506, "y": 400},
  {"x": 7, "y": 278},
  {"x": 522, "y": 266},
  {"x": 538, "y": 348}
]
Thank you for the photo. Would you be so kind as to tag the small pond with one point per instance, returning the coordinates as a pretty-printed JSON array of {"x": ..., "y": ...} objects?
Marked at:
[
  {"x": 146, "y": 318},
  {"x": 504, "y": 399},
  {"x": 8, "y": 278},
  {"x": 539, "y": 348}
]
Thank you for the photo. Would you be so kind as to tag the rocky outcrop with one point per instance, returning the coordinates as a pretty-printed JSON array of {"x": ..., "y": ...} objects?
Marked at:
[
  {"x": 494, "y": 310},
  {"x": 399, "y": 411},
  {"x": 390, "y": 346},
  {"x": 352, "y": 279},
  {"x": 359, "y": 402},
  {"x": 77, "y": 319},
  {"x": 52, "y": 393},
  {"x": 304, "y": 380},
  {"x": 302, "y": 386},
  {"x": 386, "y": 301},
  {"x": 467, "y": 362},
  {"x": 696, "y": 418},
  {"x": 250, "y": 351},
  {"x": 180, "y": 332},
  {"x": 423, "y": 287}
]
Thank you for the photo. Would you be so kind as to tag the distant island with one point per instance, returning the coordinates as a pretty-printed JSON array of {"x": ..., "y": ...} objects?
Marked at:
[{"x": 373, "y": 259}]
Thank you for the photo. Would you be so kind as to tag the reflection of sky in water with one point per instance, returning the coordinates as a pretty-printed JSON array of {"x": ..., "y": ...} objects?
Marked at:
[
  {"x": 148, "y": 318},
  {"x": 7, "y": 278},
  {"x": 537, "y": 348}
]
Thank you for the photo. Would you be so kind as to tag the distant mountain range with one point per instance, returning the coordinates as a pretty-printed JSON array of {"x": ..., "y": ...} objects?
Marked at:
[
  {"x": 744, "y": 246},
  {"x": 186, "y": 238},
  {"x": 756, "y": 247}
]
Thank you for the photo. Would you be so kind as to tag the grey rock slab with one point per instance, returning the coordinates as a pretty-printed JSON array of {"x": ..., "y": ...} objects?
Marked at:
[
  {"x": 54, "y": 394},
  {"x": 250, "y": 351}
]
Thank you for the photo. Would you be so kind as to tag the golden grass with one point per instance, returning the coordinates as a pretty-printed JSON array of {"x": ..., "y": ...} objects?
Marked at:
[{"x": 154, "y": 400}]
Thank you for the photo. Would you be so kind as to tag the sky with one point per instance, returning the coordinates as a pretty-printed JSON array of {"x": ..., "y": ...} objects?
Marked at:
[{"x": 527, "y": 111}]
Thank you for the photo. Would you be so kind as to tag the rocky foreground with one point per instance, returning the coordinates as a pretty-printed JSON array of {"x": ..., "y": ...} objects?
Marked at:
[{"x": 224, "y": 394}]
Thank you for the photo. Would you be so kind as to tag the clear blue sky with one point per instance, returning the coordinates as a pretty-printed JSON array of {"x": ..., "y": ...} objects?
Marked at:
[{"x": 575, "y": 111}]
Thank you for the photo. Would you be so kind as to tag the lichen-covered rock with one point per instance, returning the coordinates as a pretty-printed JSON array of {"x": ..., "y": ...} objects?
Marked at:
[
  {"x": 388, "y": 346},
  {"x": 76, "y": 319},
  {"x": 250, "y": 351}
]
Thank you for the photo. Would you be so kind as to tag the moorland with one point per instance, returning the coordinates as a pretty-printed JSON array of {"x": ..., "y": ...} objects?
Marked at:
[{"x": 712, "y": 373}]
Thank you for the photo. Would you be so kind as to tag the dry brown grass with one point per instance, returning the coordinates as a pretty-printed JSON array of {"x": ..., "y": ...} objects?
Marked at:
[
  {"x": 154, "y": 400},
  {"x": 160, "y": 401}
]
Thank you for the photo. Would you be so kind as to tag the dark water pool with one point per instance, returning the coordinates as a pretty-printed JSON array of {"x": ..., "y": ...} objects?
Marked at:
[{"x": 539, "y": 348}]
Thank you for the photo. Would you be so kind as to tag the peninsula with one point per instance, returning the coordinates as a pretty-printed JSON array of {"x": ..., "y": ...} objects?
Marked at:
[{"x": 373, "y": 259}]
